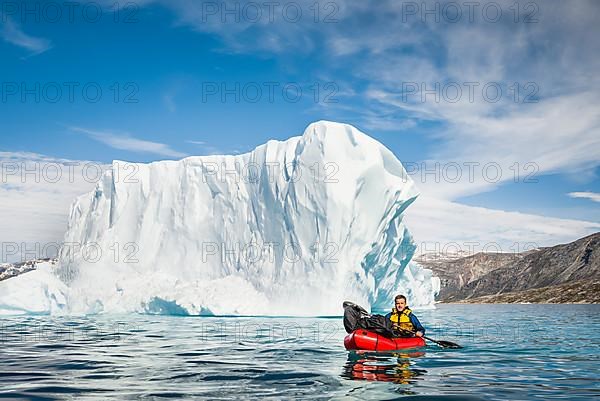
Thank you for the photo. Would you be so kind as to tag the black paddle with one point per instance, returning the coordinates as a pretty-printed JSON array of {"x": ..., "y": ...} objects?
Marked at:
[{"x": 441, "y": 343}]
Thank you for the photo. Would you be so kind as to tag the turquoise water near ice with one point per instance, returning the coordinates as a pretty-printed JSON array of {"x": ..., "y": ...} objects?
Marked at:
[{"x": 511, "y": 352}]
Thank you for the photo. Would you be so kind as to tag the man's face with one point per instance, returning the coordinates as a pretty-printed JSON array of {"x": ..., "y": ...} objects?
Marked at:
[{"x": 400, "y": 304}]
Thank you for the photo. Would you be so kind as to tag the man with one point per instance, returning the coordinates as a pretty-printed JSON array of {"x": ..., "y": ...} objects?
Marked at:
[{"x": 404, "y": 320}]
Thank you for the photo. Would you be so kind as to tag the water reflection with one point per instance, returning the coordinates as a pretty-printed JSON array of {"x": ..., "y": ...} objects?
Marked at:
[{"x": 393, "y": 367}]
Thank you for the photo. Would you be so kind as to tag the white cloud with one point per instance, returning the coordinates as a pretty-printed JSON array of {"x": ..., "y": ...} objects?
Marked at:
[
  {"x": 441, "y": 225},
  {"x": 530, "y": 141},
  {"x": 126, "y": 142},
  {"x": 277, "y": 36},
  {"x": 593, "y": 196},
  {"x": 35, "y": 194},
  {"x": 12, "y": 33}
]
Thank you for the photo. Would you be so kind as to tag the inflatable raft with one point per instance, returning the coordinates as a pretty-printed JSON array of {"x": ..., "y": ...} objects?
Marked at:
[{"x": 368, "y": 341}]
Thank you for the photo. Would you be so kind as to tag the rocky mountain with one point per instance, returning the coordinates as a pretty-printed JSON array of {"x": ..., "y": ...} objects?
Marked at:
[
  {"x": 456, "y": 271},
  {"x": 558, "y": 274}
]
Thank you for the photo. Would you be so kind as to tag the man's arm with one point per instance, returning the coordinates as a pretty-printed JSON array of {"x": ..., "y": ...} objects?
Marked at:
[{"x": 416, "y": 323}]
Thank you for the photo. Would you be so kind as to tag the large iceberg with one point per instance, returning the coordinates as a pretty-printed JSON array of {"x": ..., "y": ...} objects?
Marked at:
[{"x": 292, "y": 228}]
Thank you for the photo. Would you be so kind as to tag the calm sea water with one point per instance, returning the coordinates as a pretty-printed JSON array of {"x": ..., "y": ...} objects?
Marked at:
[{"x": 511, "y": 352}]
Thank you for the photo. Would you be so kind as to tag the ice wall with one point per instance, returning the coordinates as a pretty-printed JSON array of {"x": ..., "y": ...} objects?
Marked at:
[{"x": 291, "y": 228}]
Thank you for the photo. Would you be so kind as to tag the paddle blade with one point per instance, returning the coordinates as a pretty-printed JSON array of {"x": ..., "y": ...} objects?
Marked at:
[{"x": 448, "y": 344}]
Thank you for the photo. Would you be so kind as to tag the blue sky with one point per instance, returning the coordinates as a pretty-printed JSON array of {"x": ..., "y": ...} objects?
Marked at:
[{"x": 165, "y": 57}]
